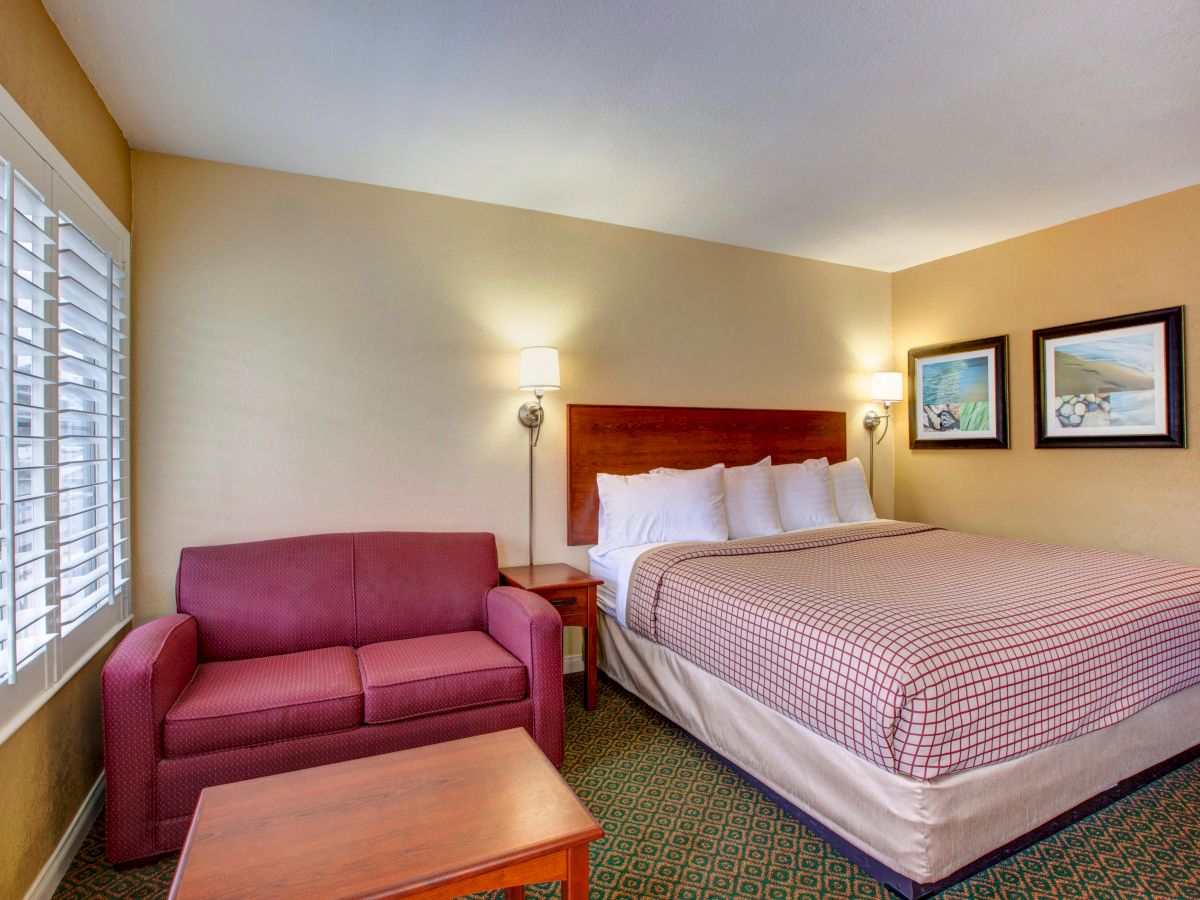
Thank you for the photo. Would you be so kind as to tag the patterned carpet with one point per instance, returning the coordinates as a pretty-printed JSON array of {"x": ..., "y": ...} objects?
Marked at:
[{"x": 680, "y": 825}]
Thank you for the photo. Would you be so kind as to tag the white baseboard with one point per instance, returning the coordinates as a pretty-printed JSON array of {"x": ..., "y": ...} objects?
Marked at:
[
  {"x": 573, "y": 663},
  {"x": 52, "y": 873}
]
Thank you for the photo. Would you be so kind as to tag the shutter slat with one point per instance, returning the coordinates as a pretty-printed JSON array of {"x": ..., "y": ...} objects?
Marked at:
[
  {"x": 31, "y": 614},
  {"x": 80, "y": 346},
  {"x": 24, "y": 348},
  {"x": 24, "y": 289},
  {"x": 72, "y": 238},
  {"x": 33, "y": 526},
  {"x": 83, "y": 535},
  {"x": 28, "y": 646},
  {"x": 26, "y": 232},
  {"x": 73, "y": 320},
  {"x": 32, "y": 556},
  {"x": 25, "y": 261},
  {"x": 82, "y": 369},
  {"x": 27, "y": 589},
  {"x": 79, "y": 294},
  {"x": 29, "y": 202},
  {"x": 72, "y": 265},
  {"x": 81, "y": 608},
  {"x": 68, "y": 566},
  {"x": 23, "y": 319}
]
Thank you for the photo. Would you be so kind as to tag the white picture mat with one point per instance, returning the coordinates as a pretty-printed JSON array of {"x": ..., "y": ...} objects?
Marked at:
[
  {"x": 928, "y": 434},
  {"x": 1054, "y": 428}
]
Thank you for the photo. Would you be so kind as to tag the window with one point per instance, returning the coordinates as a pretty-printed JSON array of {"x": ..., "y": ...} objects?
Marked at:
[{"x": 64, "y": 446}]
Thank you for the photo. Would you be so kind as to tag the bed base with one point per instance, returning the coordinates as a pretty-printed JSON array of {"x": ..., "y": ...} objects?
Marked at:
[{"x": 915, "y": 890}]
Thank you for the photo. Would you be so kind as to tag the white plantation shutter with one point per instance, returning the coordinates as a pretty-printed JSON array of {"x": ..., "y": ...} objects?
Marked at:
[
  {"x": 64, "y": 451},
  {"x": 27, "y": 459},
  {"x": 93, "y": 537}
]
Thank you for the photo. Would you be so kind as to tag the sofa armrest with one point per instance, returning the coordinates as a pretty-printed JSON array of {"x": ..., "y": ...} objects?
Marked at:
[
  {"x": 142, "y": 679},
  {"x": 529, "y": 628}
]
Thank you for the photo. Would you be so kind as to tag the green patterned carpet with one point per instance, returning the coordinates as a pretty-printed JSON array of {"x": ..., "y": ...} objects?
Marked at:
[{"x": 680, "y": 825}]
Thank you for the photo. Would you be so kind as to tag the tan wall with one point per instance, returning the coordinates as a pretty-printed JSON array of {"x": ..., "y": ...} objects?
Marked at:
[
  {"x": 315, "y": 355},
  {"x": 38, "y": 69},
  {"x": 1139, "y": 257},
  {"x": 52, "y": 761},
  {"x": 48, "y": 767}
]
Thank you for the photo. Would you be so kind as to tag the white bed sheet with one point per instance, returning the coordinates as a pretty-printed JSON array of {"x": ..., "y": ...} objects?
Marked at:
[{"x": 615, "y": 567}]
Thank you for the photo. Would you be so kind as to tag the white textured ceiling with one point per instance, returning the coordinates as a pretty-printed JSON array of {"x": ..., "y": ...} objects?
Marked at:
[{"x": 879, "y": 133}]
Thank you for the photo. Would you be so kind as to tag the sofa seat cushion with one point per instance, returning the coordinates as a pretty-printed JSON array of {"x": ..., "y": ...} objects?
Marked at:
[
  {"x": 242, "y": 702},
  {"x": 434, "y": 674}
]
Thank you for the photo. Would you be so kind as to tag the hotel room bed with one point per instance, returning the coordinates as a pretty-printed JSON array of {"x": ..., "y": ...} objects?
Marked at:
[
  {"x": 825, "y": 743},
  {"x": 928, "y": 701},
  {"x": 917, "y": 835}
]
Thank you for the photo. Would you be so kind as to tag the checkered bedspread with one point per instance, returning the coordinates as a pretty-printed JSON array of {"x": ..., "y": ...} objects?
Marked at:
[{"x": 927, "y": 651}]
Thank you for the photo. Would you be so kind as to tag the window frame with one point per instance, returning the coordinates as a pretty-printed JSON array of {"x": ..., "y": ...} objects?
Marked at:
[{"x": 41, "y": 678}]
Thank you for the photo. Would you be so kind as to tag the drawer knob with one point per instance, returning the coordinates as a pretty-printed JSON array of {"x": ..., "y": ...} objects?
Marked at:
[{"x": 565, "y": 601}]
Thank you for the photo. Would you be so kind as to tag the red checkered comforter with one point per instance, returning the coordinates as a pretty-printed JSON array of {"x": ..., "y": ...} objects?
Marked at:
[{"x": 926, "y": 651}]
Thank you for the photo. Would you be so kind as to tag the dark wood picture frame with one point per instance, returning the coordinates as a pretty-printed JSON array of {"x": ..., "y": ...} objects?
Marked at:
[
  {"x": 999, "y": 344},
  {"x": 1171, "y": 319}
]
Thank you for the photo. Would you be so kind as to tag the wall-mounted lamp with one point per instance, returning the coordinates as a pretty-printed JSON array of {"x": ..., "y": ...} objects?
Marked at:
[
  {"x": 539, "y": 373},
  {"x": 887, "y": 388}
]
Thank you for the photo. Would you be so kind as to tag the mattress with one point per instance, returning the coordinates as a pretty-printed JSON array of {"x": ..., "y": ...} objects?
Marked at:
[
  {"x": 923, "y": 829},
  {"x": 609, "y": 567}
]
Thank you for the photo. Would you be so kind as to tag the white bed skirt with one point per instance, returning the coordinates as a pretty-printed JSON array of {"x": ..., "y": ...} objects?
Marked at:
[{"x": 924, "y": 830}]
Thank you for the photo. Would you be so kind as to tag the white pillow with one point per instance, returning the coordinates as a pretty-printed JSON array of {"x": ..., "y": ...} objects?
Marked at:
[
  {"x": 750, "y": 503},
  {"x": 679, "y": 505},
  {"x": 805, "y": 492},
  {"x": 850, "y": 491}
]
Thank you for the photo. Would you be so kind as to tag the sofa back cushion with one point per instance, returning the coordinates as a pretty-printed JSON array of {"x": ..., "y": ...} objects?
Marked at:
[
  {"x": 412, "y": 584},
  {"x": 269, "y": 597}
]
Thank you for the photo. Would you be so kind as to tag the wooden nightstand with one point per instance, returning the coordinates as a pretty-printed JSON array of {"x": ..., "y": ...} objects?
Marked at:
[{"x": 573, "y": 594}]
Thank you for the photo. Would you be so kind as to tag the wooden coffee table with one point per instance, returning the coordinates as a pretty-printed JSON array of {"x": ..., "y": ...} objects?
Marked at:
[{"x": 435, "y": 822}]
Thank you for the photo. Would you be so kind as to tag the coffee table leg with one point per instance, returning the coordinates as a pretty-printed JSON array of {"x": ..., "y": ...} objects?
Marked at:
[
  {"x": 576, "y": 885},
  {"x": 514, "y": 893}
]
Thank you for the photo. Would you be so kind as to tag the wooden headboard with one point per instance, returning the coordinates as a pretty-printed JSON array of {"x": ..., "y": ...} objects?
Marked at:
[{"x": 626, "y": 440}]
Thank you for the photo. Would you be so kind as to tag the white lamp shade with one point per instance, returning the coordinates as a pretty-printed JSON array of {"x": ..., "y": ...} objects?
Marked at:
[
  {"x": 539, "y": 369},
  {"x": 887, "y": 387}
]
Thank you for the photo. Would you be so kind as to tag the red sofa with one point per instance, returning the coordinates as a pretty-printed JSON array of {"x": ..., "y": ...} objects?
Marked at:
[{"x": 304, "y": 651}]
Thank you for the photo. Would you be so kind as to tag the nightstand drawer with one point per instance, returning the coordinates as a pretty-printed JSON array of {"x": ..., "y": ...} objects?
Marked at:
[{"x": 571, "y": 603}]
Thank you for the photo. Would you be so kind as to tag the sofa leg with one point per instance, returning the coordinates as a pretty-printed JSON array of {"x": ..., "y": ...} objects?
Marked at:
[{"x": 142, "y": 861}]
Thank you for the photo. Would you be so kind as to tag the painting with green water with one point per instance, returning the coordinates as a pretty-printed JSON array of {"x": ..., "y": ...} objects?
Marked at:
[
  {"x": 958, "y": 394},
  {"x": 954, "y": 395}
]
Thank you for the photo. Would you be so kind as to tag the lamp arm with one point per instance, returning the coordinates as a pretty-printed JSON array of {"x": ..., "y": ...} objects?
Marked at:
[{"x": 532, "y": 415}]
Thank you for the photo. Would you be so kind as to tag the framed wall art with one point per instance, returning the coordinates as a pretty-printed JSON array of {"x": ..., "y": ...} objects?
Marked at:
[
  {"x": 1111, "y": 382},
  {"x": 959, "y": 395}
]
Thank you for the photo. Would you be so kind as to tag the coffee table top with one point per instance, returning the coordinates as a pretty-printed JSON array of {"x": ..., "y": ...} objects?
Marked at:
[{"x": 384, "y": 825}]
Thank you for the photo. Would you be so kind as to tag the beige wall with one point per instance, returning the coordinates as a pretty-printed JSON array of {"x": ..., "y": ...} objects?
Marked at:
[
  {"x": 1139, "y": 257},
  {"x": 38, "y": 69},
  {"x": 52, "y": 761},
  {"x": 315, "y": 355}
]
